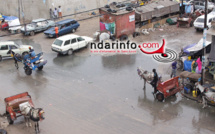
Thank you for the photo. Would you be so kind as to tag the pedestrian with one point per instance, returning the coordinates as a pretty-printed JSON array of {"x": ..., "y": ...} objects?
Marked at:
[
  {"x": 174, "y": 68},
  {"x": 55, "y": 13},
  {"x": 51, "y": 14},
  {"x": 60, "y": 12},
  {"x": 154, "y": 81},
  {"x": 56, "y": 31}
]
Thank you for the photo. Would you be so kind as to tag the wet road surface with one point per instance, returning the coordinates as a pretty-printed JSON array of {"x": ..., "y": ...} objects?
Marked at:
[{"x": 86, "y": 93}]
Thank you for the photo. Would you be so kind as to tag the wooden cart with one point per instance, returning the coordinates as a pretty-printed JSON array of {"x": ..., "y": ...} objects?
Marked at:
[{"x": 184, "y": 22}]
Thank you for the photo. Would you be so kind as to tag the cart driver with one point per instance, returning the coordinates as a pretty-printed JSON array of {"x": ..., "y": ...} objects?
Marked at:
[
  {"x": 32, "y": 53},
  {"x": 154, "y": 81}
]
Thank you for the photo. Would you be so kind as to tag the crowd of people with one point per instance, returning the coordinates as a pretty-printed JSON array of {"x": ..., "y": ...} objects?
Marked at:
[{"x": 56, "y": 14}]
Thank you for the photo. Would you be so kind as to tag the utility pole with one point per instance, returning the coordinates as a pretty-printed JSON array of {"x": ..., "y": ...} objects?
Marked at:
[
  {"x": 204, "y": 41},
  {"x": 23, "y": 16},
  {"x": 19, "y": 9}
]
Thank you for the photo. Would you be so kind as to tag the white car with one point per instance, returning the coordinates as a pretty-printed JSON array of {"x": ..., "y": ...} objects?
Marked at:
[
  {"x": 199, "y": 22},
  {"x": 6, "y": 46},
  {"x": 68, "y": 43}
]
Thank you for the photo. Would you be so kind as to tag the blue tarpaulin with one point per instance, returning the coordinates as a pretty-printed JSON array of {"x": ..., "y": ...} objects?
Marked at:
[
  {"x": 9, "y": 18},
  {"x": 187, "y": 65}
]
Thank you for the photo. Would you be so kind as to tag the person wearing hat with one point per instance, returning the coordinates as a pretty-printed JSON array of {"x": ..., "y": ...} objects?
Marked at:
[
  {"x": 32, "y": 53},
  {"x": 154, "y": 81}
]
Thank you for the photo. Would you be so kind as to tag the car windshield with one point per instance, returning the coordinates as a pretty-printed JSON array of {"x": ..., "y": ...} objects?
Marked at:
[
  {"x": 32, "y": 25},
  {"x": 201, "y": 20},
  {"x": 58, "y": 42}
]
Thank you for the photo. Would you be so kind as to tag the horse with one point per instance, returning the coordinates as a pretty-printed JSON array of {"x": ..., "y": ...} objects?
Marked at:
[
  {"x": 145, "y": 75},
  {"x": 35, "y": 114}
]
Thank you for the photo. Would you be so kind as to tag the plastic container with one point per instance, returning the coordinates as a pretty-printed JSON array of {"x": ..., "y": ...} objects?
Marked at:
[
  {"x": 186, "y": 90},
  {"x": 194, "y": 93}
]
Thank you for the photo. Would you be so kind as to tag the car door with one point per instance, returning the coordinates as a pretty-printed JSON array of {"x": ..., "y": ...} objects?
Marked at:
[
  {"x": 4, "y": 50},
  {"x": 68, "y": 27},
  {"x": 81, "y": 42},
  {"x": 196, "y": 5},
  {"x": 62, "y": 30},
  {"x": 201, "y": 5},
  {"x": 66, "y": 45},
  {"x": 74, "y": 43}
]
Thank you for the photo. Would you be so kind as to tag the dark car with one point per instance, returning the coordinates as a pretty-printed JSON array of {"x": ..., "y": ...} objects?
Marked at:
[{"x": 64, "y": 27}]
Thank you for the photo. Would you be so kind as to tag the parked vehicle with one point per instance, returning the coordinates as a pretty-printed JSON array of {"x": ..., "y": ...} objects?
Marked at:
[
  {"x": 64, "y": 27},
  {"x": 13, "y": 23},
  {"x": 37, "y": 25},
  {"x": 201, "y": 5},
  {"x": 18, "y": 49},
  {"x": 199, "y": 22},
  {"x": 68, "y": 43}
]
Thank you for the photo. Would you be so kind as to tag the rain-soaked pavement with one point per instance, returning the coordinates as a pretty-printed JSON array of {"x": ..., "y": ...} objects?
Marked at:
[{"x": 100, "y": 94}]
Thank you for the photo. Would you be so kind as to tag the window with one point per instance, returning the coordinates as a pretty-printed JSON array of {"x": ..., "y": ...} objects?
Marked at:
[
  {"x": 67, "y": 42},
  {"x": 196, "y": 3},
  {"x": 61, "y": 27},
  {"x": 68, "y": 24},
  {"x": 74, "y": 22},
  {"x": 73, "y": 41},
  {"x": 4, "y": 47},
  {"x": 58, "y": 42},
  {"x": 13, "y": 47},
  {"x": 200, "y": 20},
  {"x": 80, "y": 39},
  {"x": 201, "y": 4},
  {"x": 210, "y": 20}
]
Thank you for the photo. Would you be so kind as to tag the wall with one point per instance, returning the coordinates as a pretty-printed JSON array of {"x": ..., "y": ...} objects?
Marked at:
[{"x": 34, "y": 9}]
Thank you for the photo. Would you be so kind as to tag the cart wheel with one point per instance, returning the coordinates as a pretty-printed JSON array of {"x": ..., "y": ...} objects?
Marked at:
[
  {"x": 10, "y": 121},
  {"x": 160, "y": 97},
  {"x": 123, "y": 37},
  {"x": 40, "y": 68},
  {"x": 28, "y": 71}
]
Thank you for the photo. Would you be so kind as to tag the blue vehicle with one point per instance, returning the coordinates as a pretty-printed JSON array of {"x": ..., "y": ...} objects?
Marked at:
[
  {"x": 31, "y": 63},
  {"x": 64, "y": 27}
]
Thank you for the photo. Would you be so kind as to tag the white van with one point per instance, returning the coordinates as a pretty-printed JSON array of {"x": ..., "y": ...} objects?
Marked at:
[{"x": 199, "y": 22}]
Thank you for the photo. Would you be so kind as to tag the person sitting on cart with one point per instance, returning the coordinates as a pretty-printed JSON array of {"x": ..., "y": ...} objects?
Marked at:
[
  {"x": 32, "y": 53},
  {"x": 154, "y": 81}
]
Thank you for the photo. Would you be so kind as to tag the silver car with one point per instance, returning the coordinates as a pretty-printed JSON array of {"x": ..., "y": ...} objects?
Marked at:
[
  {"x": 201, "y": 5},
  {"x": 37, "y": 25}
]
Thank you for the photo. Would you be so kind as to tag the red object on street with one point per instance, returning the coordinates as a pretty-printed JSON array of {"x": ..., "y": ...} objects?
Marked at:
[
  {"x": 168, "y": 88},
  {"x": 4, "y": 26},
  {"x": 12, "y": 105},
  {"x": 121, "y": 22}
]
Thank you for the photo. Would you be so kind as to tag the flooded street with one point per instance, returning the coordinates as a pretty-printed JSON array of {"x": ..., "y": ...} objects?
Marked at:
[{"x": 102, "y": 94}]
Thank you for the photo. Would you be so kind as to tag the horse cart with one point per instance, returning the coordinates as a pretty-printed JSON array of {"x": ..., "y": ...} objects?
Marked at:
[
  {"x": 168, "y": 88},
  {"x": 14, "y": 105}
]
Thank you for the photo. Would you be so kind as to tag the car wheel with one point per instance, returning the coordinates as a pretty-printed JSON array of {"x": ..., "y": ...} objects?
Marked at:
[
  {"x": 32, "y": 33},
  {"x": 123, "y": 37},
  {"x": 73, "y": 30},
  {"x": 0, "y": 58},
  {"x": 70, "y": 52},
  {"x": 28, "y": 71},
  {"x": 24, "y": 53},
  {"x": 160, "y": 97},
  {"x": 40, "y": 68}
]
